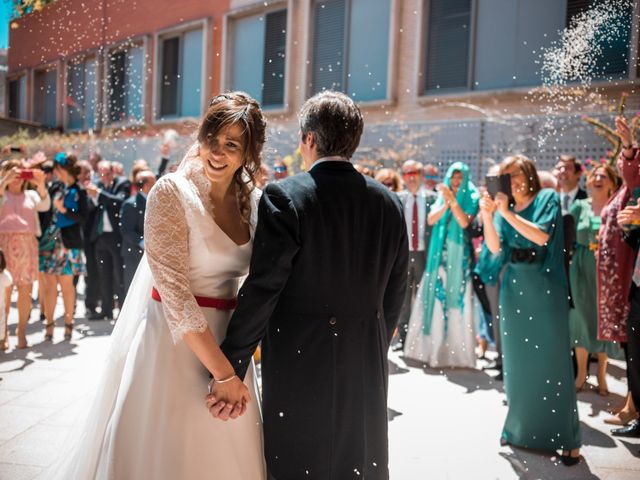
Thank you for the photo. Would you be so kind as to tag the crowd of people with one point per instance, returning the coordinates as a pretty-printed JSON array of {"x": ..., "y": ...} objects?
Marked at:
[
  {"x": 548, "y": 273},
  {"x": 541, "y": 270}
]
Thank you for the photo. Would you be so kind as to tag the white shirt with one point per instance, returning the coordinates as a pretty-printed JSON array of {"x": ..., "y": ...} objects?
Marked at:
[
  {"x": 336, "y": 158},
  {"x": 407, "y": 200},
  {"x": 572, "y": 197},
  {"x": 106, "y": 223}
]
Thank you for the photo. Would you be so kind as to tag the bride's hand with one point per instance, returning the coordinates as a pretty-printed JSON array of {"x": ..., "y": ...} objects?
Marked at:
[{"x": 228, "y": 399}]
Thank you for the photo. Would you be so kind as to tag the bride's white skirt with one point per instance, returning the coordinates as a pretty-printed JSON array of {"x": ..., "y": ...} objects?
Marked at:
[
  {"x": 160, "y": 428},
  {"x": 457, "y": 347}
]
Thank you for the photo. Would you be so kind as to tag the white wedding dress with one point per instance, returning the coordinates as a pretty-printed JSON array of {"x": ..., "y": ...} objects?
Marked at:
[{"x": 149, "y": 419}]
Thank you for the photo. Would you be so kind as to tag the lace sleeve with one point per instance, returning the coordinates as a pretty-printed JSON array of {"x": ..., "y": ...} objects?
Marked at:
[{"x": 167, "y": 246}]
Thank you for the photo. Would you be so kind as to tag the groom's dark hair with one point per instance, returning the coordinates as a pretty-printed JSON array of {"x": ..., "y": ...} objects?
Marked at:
[{"x": 335, "y": 121}]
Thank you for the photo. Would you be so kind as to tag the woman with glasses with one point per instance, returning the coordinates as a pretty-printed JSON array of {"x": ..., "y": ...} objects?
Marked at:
[
  {"x": 527, "y": 235},
  {"x": 441, "y": 328}
]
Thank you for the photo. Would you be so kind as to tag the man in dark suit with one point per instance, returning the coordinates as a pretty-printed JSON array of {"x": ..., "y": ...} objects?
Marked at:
[
  {"x": 132, "y": 226},
  {"x": 325, "y": 288},
  {"x": 569, "y": 170},
  {"x": 416, "y": 201},
  {"x": 108, "y": 196}
]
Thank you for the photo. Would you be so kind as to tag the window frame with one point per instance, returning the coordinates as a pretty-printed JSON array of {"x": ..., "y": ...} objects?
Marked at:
[
  {"x": 424, "y": 97},
  {"x": 175, "y": 31},
  {"x": 392, "y": 53},
  {"x": 125, "y": 45},
  {"x": 47, "y": 67},
  {"x": 16, "y": 76},
  {"x": 83, "y": 58},
  {"x": 228, "y": 27}
]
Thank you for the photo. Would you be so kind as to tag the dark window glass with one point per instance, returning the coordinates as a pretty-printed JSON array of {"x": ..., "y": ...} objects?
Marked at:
[
  {"x": 169, "y": 80},
  {"x": 328, "y": 46},
  {"x": 274, "y": 58},
  {"x": 117, "y": 84}
]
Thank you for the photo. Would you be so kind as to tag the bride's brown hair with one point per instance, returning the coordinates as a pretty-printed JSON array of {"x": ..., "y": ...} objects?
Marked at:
[{"x": 237, "y": 108}]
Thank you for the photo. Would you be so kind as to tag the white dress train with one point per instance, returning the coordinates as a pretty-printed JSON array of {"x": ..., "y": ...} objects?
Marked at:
[
  {"x": 456, "y": 348},
  {"x": 151, "y": 420}
]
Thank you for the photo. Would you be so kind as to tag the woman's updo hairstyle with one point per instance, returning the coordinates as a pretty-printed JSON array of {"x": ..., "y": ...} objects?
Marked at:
[
  {"x": 68, "y": 163},
  {"x": 230, "y": 109}
]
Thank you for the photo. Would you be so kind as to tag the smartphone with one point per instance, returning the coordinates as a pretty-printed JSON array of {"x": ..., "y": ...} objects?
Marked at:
[
  {"x": 25, "y": 174},
  {"x": 16, "y": 149},
  {"x": 498, "y": 183}
]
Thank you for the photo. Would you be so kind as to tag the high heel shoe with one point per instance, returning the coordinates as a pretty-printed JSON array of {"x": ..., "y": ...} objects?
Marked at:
[
  {"x": 569, "y": 461},
  {"x": 48, "y": 335},
  {"x": 68, "y": 330}
]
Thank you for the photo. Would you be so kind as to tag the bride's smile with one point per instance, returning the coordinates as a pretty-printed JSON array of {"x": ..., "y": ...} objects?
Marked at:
[{"x": 223, "y": 155}]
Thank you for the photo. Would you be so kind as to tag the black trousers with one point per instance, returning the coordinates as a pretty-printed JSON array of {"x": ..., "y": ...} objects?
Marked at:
[
  {"x": 632, "y": 349},
  {"x": 417, "y": 263},
  {"x": 130, "y": 263},
  {"x": 92, "y": 278},
  {"x": 110, "y": 270}
]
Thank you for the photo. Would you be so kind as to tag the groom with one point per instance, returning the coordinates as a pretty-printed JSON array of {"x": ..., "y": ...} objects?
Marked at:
[{"x": 325, "y": 289}]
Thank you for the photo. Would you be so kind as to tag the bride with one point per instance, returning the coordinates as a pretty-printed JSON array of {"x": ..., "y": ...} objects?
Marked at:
[{"x": 149, "y": 419}]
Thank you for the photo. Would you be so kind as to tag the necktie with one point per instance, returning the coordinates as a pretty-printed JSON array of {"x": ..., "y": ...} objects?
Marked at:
[
  {"x": 636, "y": 271},
  {"x": 414, "y": 225},
  {"x": 565, "y": 202}
]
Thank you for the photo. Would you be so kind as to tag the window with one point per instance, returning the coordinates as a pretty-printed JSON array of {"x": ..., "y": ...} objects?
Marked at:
[
  {"x": 18, "y": 98},
  {"x": 507, "y": 57},
  {"x": 125, "y": 85},
  {"x": 81, "y": 95},
  {"x": 614, "y": 61},
  {"x": 351, "y": 47},
  {"x": 181, "y": 57},
  {"x": 45, "y": 104},
  {"x": 255, "y": 70},
  {"x": 448, "y": 45}
]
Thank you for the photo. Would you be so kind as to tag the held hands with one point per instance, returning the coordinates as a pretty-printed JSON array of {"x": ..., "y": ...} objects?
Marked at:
[
  {"x": 630, "y": 215},
  {"x": 228, "y": 399}
]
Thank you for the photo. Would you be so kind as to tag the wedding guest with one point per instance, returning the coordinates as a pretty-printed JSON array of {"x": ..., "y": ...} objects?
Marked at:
[
  {"x": 118, "y": 169},
  {"x": 280, "y": 170},
  {"x": 64, "y": 258},
  {"x": 18, "y": 232},
  {"x": 262, "y": 176},
  {"x": 366, "y": 171},
  {"x": 615, "y": 260},
  {"x": 417, "y": 201},
  {"x": 442, "y": 324},
  {"x": 5, "y": 285},
  {"x": 431, "y": 176},
  {"x": 390, "y": 179},
  {"x": 569, "y": 174},
  {"x": 108, "y": 197},
  {"x": 602, "y": 182},
  {"x": 631, "y": 216},
  {"x": 132, "y": 226},
  {"x": 137, "y": 167},
  {"x": 538, "y": 375}
]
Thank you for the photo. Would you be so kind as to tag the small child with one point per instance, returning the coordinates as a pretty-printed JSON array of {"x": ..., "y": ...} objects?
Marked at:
[{"x": 5, "y": 284}]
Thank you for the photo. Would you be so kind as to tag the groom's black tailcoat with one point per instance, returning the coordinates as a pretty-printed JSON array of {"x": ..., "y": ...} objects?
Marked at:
[{"x": 324, "y": 292}]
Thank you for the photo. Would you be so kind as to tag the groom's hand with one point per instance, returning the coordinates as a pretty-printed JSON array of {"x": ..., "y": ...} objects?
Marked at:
[{"x": 222, "y": 410}]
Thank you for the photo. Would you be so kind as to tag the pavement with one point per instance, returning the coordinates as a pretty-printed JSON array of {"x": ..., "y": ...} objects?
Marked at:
[{"x": 444, "y": 424}]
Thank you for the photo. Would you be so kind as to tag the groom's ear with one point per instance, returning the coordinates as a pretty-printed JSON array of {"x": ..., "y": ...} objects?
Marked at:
[{"x": 310, "y": 140}]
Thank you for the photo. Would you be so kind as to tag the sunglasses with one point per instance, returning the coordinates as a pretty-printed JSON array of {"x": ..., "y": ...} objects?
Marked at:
[
  {"x": 280, "y": 169},
  {"x": 411, "y": 173},
  {"x": 431, "y": 177}
]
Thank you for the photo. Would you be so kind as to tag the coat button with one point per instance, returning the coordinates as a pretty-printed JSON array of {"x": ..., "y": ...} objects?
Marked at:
[{"x": 333, "y": 320}]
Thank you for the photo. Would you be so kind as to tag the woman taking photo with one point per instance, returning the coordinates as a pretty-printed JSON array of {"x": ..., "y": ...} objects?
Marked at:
[
  {"x": 602, "y": 182},
  {"x": 61, "y": 255},
  {"x": 534, "y": 307},
  {"x": 18, "y": 231},
  {"x": 441, "y": 328}
]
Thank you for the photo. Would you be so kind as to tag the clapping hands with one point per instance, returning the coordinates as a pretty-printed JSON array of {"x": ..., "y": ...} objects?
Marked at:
[{"x": 447, "y": 194}]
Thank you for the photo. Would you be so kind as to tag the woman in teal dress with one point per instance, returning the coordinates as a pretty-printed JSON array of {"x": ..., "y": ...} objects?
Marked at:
[
  {"x": 602, "y": 182},
  {"x": 534, "y": 311}
]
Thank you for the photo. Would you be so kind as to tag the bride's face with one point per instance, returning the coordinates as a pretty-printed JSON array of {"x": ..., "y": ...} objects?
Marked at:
[{"x": 223, "y": 156}]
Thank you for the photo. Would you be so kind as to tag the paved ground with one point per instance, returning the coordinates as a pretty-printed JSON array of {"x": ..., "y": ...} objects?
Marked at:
[{"x": 444, "y": 424}]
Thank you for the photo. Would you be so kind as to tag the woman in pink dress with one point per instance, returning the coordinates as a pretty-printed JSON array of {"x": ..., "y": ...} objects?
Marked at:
[{"x": 18, "y": 229}]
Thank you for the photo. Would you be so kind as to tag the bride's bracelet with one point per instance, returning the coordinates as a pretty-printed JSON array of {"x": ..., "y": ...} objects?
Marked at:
[{"x": 224, "y": 380}]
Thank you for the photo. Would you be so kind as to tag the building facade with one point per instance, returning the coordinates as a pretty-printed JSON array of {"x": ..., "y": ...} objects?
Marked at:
[{"x": 437, "y": 80}]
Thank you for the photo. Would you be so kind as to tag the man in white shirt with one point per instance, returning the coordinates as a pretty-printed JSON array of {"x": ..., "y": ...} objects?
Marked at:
[
  {"x": 569, "y": 173},
  {"x": 417, "y": 201}
]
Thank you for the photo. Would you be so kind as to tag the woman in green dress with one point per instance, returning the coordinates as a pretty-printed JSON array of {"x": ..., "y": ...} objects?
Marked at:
[
  {"x": 534, "y": 311},
  {"x": 602, "y": 182}
]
